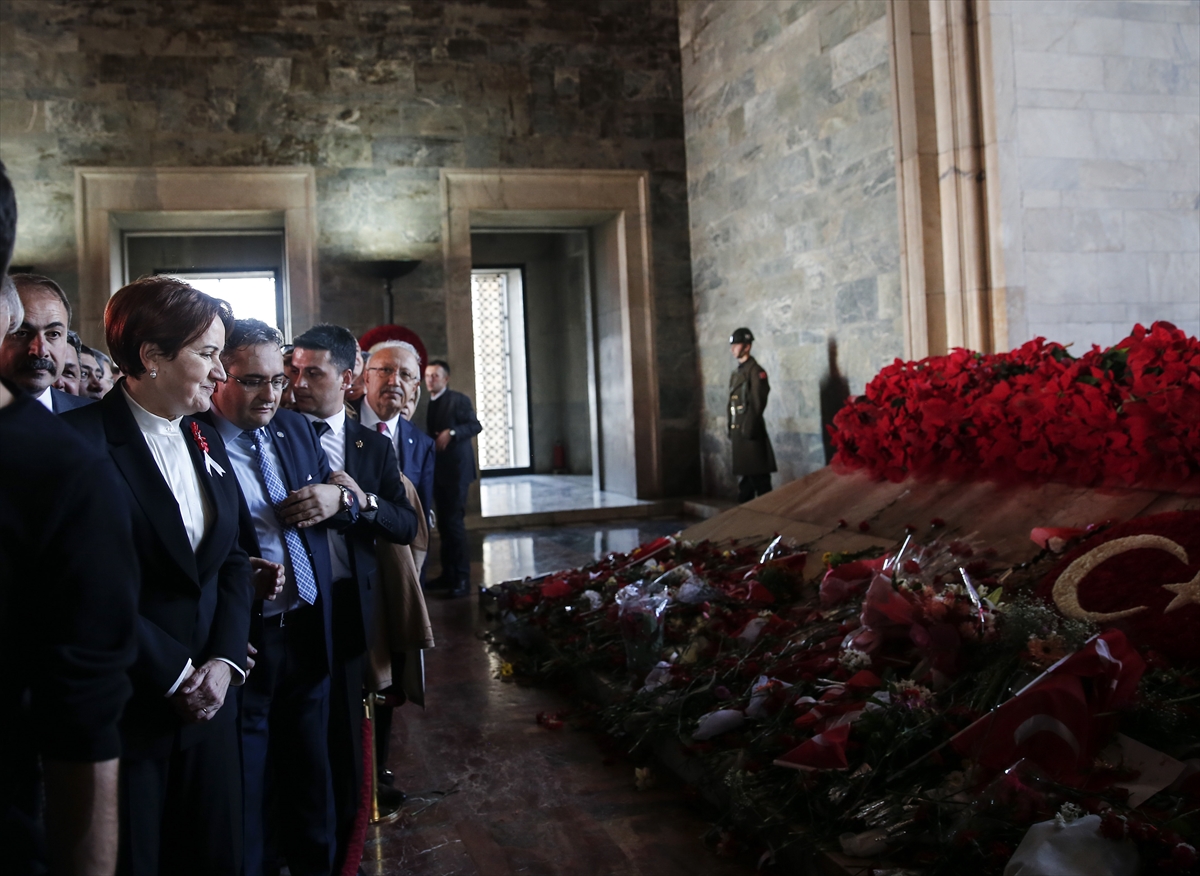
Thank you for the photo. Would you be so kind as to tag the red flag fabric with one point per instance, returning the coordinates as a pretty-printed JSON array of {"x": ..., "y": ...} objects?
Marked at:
[
  {"x": 825, "y": 751},
  {"x": 1052, "y": 721}
]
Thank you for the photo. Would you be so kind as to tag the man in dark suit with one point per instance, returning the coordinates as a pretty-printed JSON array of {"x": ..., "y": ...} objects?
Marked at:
[
  {"x": 452, "y": 424},
  {"x": 66, "y": 642},
  {"x": 393, "y": 386},
  {"x": 33, "y": 356},
  {"x": 282, "y": 471},
  {"x": 364, "y": 462}
]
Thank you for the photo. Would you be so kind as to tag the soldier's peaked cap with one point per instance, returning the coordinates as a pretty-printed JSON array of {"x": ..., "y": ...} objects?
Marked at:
[{"x": 742, "y": 336}]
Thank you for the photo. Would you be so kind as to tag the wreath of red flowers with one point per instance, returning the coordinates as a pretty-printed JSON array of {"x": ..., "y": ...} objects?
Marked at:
[{"x": 1126, "y": 415}]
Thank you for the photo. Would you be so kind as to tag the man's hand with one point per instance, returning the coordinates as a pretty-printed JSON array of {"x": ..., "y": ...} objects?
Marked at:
[
  {"x": 310, "y": 505},
  {"x": 268, "y": 578},
  {"x": 442, "y": 441},
  {"x": 250, "y": 661},
  {"x": 202, "y": 695},
  {"x": 341, "y": 479}
]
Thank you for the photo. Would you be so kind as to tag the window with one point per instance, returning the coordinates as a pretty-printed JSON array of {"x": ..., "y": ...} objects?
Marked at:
[
  {"x": 251, "y": 294},
  {"x": 501, "y": 384}
]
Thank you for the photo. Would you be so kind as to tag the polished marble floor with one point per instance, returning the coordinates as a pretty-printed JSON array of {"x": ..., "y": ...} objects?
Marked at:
[
  {"x": 533, "y": 494},
  {"x": 492, "y": 792},
  {"x": 502, "y": 556}
]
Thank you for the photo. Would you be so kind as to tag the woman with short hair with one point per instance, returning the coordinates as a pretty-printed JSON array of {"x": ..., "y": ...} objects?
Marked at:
[{"x": 180, "y": 786}]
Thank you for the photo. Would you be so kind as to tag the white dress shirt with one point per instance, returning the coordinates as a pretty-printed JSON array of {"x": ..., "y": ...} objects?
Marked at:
[
  {"x": 333, "y": 440},
  {"x": 266, "y": 521},
  {"x": 435, "y": 396},
  {"x": 369, "y": 418},
  {"x": 46, "y": 399},
  {"x": 168, "y": 446}
]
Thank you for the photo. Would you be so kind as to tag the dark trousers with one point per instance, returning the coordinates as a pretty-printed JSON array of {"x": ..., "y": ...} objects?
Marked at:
[
  {"x": 451, "y": 502},
  {"x": 285, "y": 747},
  {"x": 750, "y": 486},
  {"x": 182, "y": 814},
  {"x": 345, "y": 744}
]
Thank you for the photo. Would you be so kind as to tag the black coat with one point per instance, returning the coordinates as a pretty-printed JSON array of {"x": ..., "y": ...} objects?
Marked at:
[
  {"x": 68, "y": 585},
  {"x": 371, "y": 462},
  {"x": 748, "y": 391},
  {"x": 192, "y": 605},
  {"x": 456, "y": 464},
  {"x": 64, "y": 401}
]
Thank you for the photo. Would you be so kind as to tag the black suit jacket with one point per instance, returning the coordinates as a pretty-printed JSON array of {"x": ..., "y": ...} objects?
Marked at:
[
  {"x": 68, "y": 585},
  {"x": 304, "y": 463},
  {"x": 371, "y": 461},
  {"x": 192, "y": 605},
  {"x": 456, "y": 464},
  {"x": 64, "y": 401}
]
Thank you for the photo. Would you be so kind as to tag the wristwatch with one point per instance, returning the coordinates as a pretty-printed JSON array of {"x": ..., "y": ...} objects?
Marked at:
[
  {"x": 372, "y": 504},
  {"x": 347, "y": 498}
]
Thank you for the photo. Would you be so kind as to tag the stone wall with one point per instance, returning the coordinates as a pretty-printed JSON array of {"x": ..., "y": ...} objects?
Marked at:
[
  {"x": 1098, "y": 118},
  {"x": 377, "y": 95},
  {"x": 791, "y": 193}
]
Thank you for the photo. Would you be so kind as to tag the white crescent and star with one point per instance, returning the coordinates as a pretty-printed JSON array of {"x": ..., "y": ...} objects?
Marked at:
[{"x": 1066, "y": 589}]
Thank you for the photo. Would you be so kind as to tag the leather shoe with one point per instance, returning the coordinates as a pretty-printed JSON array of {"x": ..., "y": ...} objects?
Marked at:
[
  {"x": 387, "y": 777},
  {"x": 390, "y": 798},
  {"x": 461, "y": 589}
]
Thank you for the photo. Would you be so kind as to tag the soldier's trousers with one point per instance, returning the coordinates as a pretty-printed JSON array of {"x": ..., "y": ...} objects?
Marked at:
[{"x": 750, "y": 486}]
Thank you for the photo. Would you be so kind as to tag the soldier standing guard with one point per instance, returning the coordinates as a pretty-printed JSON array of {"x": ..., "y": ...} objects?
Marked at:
[{"x": 753, "y": 457}]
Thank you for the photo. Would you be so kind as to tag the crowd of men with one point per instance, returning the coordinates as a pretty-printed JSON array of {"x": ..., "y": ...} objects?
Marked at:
[{"x": 112, "y": 752}]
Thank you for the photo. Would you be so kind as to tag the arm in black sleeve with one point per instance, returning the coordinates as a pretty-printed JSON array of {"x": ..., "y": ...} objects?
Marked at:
[
  {"x": 395, "y": 521},
  {"x": 466, "y": 424},
  {"x": 86, "y": 605}
]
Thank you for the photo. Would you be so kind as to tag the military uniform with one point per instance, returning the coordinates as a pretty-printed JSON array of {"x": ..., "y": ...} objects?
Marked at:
[{"x": 753, "y": 457}]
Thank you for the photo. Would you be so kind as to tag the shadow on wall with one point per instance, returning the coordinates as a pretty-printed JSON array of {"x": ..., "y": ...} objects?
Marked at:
[{"x": 835, "y": 389}]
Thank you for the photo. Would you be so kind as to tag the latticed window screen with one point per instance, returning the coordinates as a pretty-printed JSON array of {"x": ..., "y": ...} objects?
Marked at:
[{"x": 493, "y": 369}]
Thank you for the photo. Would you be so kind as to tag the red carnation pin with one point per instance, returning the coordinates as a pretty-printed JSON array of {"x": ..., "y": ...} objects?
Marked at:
[{"x": 210, "y": 465}]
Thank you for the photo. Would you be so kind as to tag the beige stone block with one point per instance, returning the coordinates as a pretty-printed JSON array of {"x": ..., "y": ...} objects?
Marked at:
[
  {"x": 1174, "y": 276},
  {"x": 856, "y": 55},
  {"x": 1034, "y": 32},
  {"x": 1035, "y": 199},
  {"x": 1166, "y": 41},
  {"x": 1147, "y": 136},
  {"x": 1059, "y": 71},
  {"x": 1162, "y": 231},
  {"x": 1052, "y": 133},
  {"x": 21, "y": 117},
  {"x": 1050, "y": 98}
]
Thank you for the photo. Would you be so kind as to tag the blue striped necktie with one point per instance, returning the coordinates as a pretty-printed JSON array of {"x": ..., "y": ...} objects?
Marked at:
[{"x": 301, "y": 569}]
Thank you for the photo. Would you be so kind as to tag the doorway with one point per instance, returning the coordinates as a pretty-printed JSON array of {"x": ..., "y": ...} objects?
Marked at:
[
  {"x": 244, "y": 267},
  {"x": 613, "y": 208},
  {"x": 549, "y": 306}
]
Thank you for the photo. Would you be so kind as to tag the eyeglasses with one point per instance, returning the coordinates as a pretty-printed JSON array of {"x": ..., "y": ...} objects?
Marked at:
[
  {"x": 388, "y": 373},
  {"x": 279, "y": 384}
]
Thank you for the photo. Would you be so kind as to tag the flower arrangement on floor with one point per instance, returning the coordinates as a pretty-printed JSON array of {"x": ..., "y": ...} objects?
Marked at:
[
  {"x": 1126, "y": 415},
  {"x": 925, "y": 706}
]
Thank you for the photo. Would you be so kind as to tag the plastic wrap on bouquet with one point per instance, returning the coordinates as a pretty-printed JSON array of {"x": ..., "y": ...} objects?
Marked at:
[{"x": 641, "y": 614}]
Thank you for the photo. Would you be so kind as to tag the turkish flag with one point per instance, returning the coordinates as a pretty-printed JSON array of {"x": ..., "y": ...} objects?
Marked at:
[
  {"x": 825, "y": 751},
  {"x": 1053, "y": 721},
  {"x": 1048, "y": 725}
]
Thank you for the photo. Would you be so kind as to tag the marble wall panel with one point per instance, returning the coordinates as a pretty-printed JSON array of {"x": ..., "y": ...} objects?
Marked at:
[
  {"x": 791, "y": 197},
  {"x": 1100, "y": 175}
]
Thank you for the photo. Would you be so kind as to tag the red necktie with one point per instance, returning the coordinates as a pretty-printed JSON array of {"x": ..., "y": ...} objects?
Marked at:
[{"x": 381, "y": 427}]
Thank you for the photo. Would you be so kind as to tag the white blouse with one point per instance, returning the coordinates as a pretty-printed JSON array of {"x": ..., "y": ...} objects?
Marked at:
[{"x": 168, "y": 446}]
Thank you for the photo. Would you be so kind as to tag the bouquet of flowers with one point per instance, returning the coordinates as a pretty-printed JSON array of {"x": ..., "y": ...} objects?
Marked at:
[
  {"x": 922, "y": 705},
  {"x": 1126, "y": 415}
]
